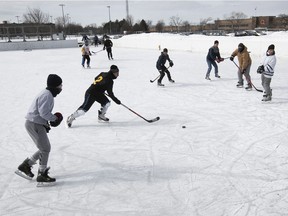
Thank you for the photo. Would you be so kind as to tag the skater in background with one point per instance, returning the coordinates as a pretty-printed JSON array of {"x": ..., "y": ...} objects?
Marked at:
[
  {"x": 85, "y": 50},
  {"x": 85, "y": 38},
  {"x": 244, "y": 65},
  {"x": 108, "y": 44},
  {"x": 38, "y": 121},
  {"x": 96, "y": 92},
  {"x": 96, "y": 40},
  {"x": 212, "y": 56},
  {"x": 160, "y": 65},
  {"x": 267, "y": 71}
]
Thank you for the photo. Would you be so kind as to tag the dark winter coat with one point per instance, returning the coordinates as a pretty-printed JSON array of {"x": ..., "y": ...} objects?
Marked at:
[
  {"x": 103, "y": 82},
  {"x": 107, "y": 44},
  {"x": 213, "y": 54},
  {"x": 160, "y": 64}
]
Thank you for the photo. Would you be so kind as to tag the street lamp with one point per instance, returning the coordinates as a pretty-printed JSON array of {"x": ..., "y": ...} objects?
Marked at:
[
  {"x": 109, "y": 18},
  {"x": 62, "y": 5}
]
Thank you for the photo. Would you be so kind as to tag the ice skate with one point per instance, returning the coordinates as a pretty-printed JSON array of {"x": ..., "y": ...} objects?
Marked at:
[
  {"x": 102, "y": 117},
  {"x": 266, "y": 98},
  {"x": 207, "y": 78},
  {"x": 24, "y": 170},
  {"x": 217, "y": 76},
  {"x": 44, "y": 179},
  {"x": 239, "y": 85},
  {"x": 160, "y": 84},
  {"x": 69, "y": 121},
  {"x": 249, "y": 87},
  {"x": 171, "y": 81}
]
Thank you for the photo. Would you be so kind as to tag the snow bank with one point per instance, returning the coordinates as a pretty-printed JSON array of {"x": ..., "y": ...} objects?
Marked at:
[{"x": 200, "y": 44}]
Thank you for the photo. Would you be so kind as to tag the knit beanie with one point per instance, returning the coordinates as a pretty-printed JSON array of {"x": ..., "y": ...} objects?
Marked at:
[
  {"x": 114, "y": 69},
  {"x": 53, "y": 80},
  {"x": 271, "y": 47}
]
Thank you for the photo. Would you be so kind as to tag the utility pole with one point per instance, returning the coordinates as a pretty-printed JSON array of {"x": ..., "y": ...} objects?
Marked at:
[
  {"x": 109, "y": 18},
  {"x": 62, "y": 5},
  {"x": 127, "y": 10}
]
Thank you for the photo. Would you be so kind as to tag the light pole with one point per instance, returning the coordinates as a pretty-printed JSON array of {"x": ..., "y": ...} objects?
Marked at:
[
  {"x": 109, "y": 18},
  {"x": 62, "y": 5}
]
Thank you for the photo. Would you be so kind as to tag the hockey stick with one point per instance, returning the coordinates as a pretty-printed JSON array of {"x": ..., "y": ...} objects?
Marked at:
[
  {"x": 157, "y": 77},
  {"x": 147, "y": 120},
  {"x": 97, "y": 51},
  {"x": 259, "y": 90}
]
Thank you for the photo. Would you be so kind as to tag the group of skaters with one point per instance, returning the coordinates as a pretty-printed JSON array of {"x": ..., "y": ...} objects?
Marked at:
[
  {"x": 40, "y": 119},
  {"x": 266, "y": 69},
  {"x": 86, "y": 53}
]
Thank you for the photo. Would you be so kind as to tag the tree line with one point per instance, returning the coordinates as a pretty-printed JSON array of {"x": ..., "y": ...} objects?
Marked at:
[{"x": 63, "y": 24}]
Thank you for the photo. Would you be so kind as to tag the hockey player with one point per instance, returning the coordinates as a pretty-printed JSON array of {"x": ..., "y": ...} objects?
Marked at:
[
  {"x": 96, "y": 92},
  {"x": 160, "y": 65},
  {"x": 108, "y": 44},
  {"x": 38, "y": 121},
  {"x": 212, "y": 56},
  {"x": 244, "y": 65},
  {"x": 85, "y": 50},
  {"x": 267, "y": 71}
]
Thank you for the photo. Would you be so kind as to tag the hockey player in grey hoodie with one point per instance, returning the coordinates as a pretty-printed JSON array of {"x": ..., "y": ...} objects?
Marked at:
[{"x": 38, "y": 121}]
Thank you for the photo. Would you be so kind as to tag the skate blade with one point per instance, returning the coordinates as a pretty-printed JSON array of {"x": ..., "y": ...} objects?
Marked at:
[
  {"x": 45, "y": 184},
  {"x": 23, "y": 175}
]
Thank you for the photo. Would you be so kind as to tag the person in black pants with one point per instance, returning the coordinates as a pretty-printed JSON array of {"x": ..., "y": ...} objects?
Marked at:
[
  {"x": 160, "y": 65},
  {"x": 96, "y": 92},
  {"x": 108, "y": 46}
]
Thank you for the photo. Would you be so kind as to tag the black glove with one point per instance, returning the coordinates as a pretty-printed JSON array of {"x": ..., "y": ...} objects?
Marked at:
[
  {"x": 231, "y": 58},
  {"x": 243, "y": 71},
  {"x": 47, "y": 128},
  {"x": 260, "y": 69},
  {"x": 171, "y": 63},
  {"x": 58, "y": 120},
  {"x": 117, "y": 101}
]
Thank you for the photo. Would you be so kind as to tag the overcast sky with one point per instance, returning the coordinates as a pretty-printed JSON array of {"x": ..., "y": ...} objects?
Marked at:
[{"x": 97, "y": 12}]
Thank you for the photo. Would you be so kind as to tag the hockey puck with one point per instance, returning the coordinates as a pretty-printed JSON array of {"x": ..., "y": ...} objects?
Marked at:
[{"x": 183, "y": 126}]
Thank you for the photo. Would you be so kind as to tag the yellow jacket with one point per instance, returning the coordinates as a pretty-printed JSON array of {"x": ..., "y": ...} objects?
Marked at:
[{"x": 243, "y": 58}]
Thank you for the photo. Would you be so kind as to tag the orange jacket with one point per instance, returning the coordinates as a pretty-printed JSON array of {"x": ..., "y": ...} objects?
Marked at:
[{"x": 243, "y": 58}]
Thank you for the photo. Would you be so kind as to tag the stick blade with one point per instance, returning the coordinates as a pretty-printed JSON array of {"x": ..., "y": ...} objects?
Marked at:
[{"x": 154, "y": 120}]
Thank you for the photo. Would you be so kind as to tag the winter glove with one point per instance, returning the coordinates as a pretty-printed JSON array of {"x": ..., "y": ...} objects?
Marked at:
[
  {"x": 117, "y": 101},
  {"x": 58, "y": 120},
  {"x": 171, "y": 63},
  {"x": 47, "y": 128},
  {"x": 231, "y": 58},
  {"x": 243, "y": 71},
  {"x": 260, "y": 69}
]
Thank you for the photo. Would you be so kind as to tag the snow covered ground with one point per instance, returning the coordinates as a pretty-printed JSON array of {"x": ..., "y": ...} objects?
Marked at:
[{"x": 231, "y": 159}]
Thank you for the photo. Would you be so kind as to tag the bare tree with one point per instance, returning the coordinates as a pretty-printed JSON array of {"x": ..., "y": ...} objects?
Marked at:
[
  {"x": 283, "y": 20},
  {"x": 236, "y": 19},
  {"x": 205, "y": 21},
  {"x": 186, "y": 26},
  {"x": 176, "y": 22},
  {"x": 35, "y": 16},
  {"x": 160, "y": 26}
]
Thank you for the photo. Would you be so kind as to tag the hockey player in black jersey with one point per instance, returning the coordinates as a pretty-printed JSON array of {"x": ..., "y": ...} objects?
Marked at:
[
  {"x": 160, "y": 65},
  {"x": 96, "y": 92}
]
